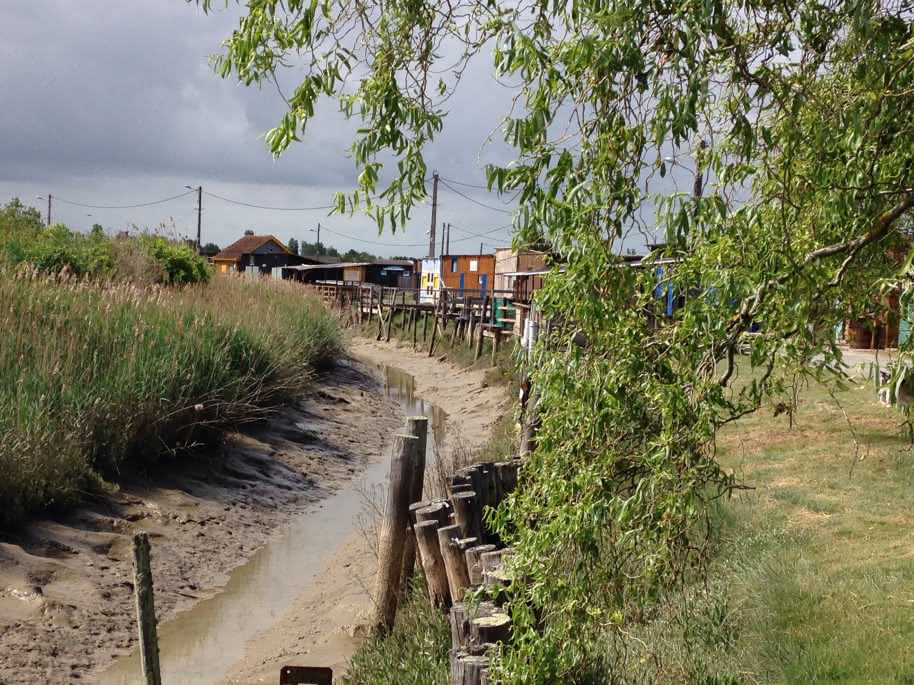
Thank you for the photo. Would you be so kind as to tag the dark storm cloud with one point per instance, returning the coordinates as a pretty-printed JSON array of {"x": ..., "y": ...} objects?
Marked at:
[{"x": 97, "y": 87}]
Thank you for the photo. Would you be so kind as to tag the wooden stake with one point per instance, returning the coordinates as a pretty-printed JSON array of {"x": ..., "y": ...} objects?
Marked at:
[
  {"x": 393, "y": 532},
  {"x": 455, "y": 562},
  {"x": 467, "y": 514},
  {"x": 431, "y": 344},
  {"x": 432, "y": 562},
  {"x": 490, "y": 630},
  {"x": 474, "y": 562},
  {"x": 145, "y": 610},
  {"x": 417, "y": 426}
]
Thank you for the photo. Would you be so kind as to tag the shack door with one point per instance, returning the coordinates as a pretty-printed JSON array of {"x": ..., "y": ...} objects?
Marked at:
[
  {"x": 483, "y": 279},
  {"x": 462, "y": 278}
]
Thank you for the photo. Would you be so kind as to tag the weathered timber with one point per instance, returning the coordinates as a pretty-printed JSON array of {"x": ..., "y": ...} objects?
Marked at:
[
  {"x": 455, "y": 562},
  {"x": 486, "y": 630},
  {"x": 496, "y": 341},
  {"x": 431, "y": 344},
  {"x": 433, "y": 567},
  {"x": 393, "y": 531},
  {"x": 469, "y": 669},
  {"x": 145, "y": 610},
  {"x": 390, "y": 314},
  {"x": 417, "y": 426},
  {"x": 474, "y": 563},
  {"x": 494, "y": 560},
  {"x": 506, "y": 477},
  {"x": 439, "y": 511},
  {"x": 467, "y": 513}
]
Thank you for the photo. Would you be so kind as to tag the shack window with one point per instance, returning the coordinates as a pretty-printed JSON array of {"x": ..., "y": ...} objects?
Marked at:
[
  {"x": 453, "y": 265},
  {"x": 474, "y": 265}
]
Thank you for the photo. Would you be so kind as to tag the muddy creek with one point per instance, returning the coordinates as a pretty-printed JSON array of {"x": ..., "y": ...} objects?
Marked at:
[{"x": 201, "y": 644}]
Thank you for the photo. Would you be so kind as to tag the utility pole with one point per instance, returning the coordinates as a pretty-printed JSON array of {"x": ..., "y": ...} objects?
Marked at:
[
  {"x": 199, "y": 190},
  {"x": 480, "y": 248},
  {"x": 447, "y": 249},
  {"x": 199, "y": 214},
  {"x": 318, "y": 246},
  {"x": 49, "y": 209},
  {"x": 431, "y": 237},
  {"x": 443, "y": 231}
]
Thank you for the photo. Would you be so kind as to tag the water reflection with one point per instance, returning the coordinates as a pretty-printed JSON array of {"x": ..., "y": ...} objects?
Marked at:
[{"x": 401, "y": 386}]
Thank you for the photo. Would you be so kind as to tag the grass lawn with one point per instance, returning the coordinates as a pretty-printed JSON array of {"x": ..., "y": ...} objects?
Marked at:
[{"x": 814, "y": 582}]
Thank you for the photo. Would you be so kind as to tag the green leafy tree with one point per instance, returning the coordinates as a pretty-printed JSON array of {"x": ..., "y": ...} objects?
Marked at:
[
  {"x": 210, "y": 250},
  {"x": 293, "y": 245},
  {"x": 797, "y": 124}
]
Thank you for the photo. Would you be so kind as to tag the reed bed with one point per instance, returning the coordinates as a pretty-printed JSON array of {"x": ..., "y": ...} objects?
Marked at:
[{"x": 96, "y": 376}]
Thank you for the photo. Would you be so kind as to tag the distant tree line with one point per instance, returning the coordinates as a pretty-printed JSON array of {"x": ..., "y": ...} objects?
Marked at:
[{"x": 306, "y": 249}]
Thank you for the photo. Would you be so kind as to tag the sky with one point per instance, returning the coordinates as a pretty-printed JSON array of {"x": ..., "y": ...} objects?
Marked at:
[{"x": 116, "y": 103}]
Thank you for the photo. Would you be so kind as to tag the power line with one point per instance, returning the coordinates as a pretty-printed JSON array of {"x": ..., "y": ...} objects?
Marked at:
[
  {"x": 462, "y": 183},
  {"x": 382, "y": 244},
  {"x": 142, "y": 204},
  {"x": 278, "y": 209},
  {"x": 467, "y": 197},
  {"x": 480, "y": 235}
]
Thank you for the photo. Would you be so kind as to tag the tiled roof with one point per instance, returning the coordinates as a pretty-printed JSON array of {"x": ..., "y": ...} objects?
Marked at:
[{"x": 245, "y": 245}]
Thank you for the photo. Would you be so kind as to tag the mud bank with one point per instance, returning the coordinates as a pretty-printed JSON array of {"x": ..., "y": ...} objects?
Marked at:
[
  {"x": 325, "y": 623},
  {"x": 66, "y": 602}
]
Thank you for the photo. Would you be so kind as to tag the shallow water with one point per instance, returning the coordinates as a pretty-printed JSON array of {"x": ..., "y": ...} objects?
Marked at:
[{"x": 199, "y": 645}]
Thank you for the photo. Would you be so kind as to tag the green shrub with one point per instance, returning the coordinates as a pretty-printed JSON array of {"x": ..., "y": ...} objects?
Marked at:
[{"x": 180, "y": 263}]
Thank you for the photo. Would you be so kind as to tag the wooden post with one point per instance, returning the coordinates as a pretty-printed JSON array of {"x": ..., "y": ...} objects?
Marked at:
[
  {"x": 467, "y": 514},
  {"x": 455, "y": 562},
  {"x": 370, "y": 303},
  {"x": 390, "y": 314},
  {"x": 145, "y": 610},
  {"x": 439, "y": 511},
  {"x": 424, "y": 325},
  {"x": 417, "y": 426},
  {"x": 431, "y": 344},
  {"x": 436, "y": 581},
  {"x": 481, "y": 327},
  {"x": 474, "y": 562},
  {"x": 490, "y": 630},
  {"x": 415, "y": 322},
  {"x": 393, "y": 532}
]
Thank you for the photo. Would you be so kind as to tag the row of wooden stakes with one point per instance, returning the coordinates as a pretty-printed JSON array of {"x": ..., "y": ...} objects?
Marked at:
[
  {"x": 455, "y": 548},
  {"x": 459, "y": 553}
]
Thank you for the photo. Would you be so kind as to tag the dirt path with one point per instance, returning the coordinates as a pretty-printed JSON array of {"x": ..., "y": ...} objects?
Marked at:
[
  {"x": 66, "y": 603},
  {"x": 323, "y": 626}
]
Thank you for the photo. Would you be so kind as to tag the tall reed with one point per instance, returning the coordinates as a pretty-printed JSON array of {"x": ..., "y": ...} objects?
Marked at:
[{"x": 94, "y": 376}]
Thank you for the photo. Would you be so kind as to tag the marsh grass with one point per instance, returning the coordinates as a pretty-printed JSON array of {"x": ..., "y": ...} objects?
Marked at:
[{"x": 98, "y": 375}]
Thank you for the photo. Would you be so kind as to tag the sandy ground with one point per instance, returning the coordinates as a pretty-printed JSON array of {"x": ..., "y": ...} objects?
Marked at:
[
  {"x": 66, "y": 592},
  {"x": 329, "y": 616}
]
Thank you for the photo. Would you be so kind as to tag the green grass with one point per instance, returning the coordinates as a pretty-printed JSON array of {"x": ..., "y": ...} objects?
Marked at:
[
  {"x": 98, "y": 375},
  {"x": 812, "y": 578},
  {"x": 415, "y": 652}
]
